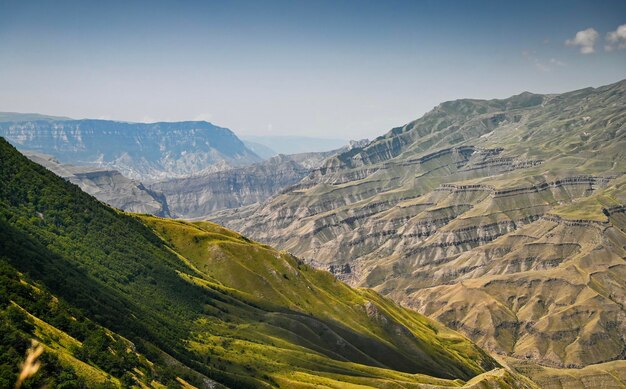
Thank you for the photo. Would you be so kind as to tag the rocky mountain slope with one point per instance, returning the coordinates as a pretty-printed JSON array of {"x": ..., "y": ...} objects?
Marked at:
[
  {"x": 144, "y": 301},
  {"x": 200, "y": 195},
  {"x": 260, "y": 149},
  {"x": 504, "y": 219},
  {"x": 108, "y": 186},
  {"x": 144, "y": 151},
  {"x": 195, "y": 196}
]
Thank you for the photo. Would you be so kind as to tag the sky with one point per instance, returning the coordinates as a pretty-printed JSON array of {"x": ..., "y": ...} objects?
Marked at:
[{"x": 334, "y": 69}]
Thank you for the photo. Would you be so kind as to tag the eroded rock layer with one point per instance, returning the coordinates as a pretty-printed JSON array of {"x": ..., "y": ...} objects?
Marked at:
[
  {"x": 199, "y": 195},
  {"x": 108, "y": 186},
  {"x": 142, "y": 151},
  {"x": 502, "y": 218}
]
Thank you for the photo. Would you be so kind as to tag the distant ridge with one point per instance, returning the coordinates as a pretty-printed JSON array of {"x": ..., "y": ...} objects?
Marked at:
[
  {"x": 144, "y": 151},
  {"x": 27, "y": 117}
]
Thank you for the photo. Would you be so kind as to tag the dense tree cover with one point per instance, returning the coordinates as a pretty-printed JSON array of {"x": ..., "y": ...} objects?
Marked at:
[
  {"x": 103, "y": 265},
  {"x": 99, "y": 348},
  {"x": 106, "y": 351},
  {"x": 99, "y": 263},
  {"x": 108, "y": 267},
  {"x": 16, "y": 329}
]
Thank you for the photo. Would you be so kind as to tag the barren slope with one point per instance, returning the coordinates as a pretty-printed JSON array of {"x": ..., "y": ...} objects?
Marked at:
[{"x": 501, "y": 218}]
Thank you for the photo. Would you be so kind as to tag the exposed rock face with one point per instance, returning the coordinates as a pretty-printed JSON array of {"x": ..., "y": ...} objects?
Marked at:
[
  {"x": 194, "y": 196},
  {"x": 138, "y": 150},
  {"x": 501, "y": 218},
  {"x": 200, "y": 195},
  {"x": 260, "y": 150},
  {"x": 108, "y": 186}
]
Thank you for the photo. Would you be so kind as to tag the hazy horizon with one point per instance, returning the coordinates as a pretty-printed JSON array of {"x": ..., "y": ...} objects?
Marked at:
[{"x": 327, "y": 70}]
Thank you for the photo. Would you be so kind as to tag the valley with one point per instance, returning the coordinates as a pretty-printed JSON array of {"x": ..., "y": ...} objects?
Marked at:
[
  {"x": 139, "y": 300},
  {"x": 406, "y": 194},
  {"x": 500, "y": 219}
]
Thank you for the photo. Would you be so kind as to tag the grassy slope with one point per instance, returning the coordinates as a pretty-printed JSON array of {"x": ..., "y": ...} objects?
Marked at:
[
  {"x": 205, "y": 302},
  {"x": 325, "y": 315}
]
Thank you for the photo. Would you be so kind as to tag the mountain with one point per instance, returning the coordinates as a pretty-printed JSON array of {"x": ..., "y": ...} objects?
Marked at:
[
  {"x": 260, "y": 149},
  {"x": 504, "y": 219},
  {"x": 195, "y": 196},
  {"x": 28, "y": 117},
  {"x": 108, "y": 186},
  {"x": 200, "y": 195},
  {"x": 284, "y": 144},
  {"x": 143, "y": 151},
  {"x": 103, "y": 296}
]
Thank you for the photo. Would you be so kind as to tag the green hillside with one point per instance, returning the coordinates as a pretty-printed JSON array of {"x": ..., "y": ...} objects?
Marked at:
[{"x": 118, "y": 302}]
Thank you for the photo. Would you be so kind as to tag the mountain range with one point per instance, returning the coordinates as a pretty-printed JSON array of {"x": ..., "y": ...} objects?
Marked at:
[
  {"x": 107, "y": 185},
  {"x": 199, "y": 195},
  {"x": 195, "y": 196},
  {"x": 189, "y": 168},
  {"x": 481, "y": 245},
  {"x": 108, "y": 299},
  {"x": 504, "y": 219},
  {"x": 142, "y": 151}
]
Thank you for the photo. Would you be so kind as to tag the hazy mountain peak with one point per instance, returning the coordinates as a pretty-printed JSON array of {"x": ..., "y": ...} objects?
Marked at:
[
  {"x": 26, "y": 117},
  {"x": 145, "y": 151}
]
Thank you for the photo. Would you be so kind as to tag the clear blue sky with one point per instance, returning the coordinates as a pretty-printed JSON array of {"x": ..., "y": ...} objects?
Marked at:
[{"x": 348, "y": 69}]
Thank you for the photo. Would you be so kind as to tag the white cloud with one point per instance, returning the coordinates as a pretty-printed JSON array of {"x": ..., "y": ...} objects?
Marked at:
[
  {"x": 586, "y": 39},
  {"x": 616, "y": 39}
]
